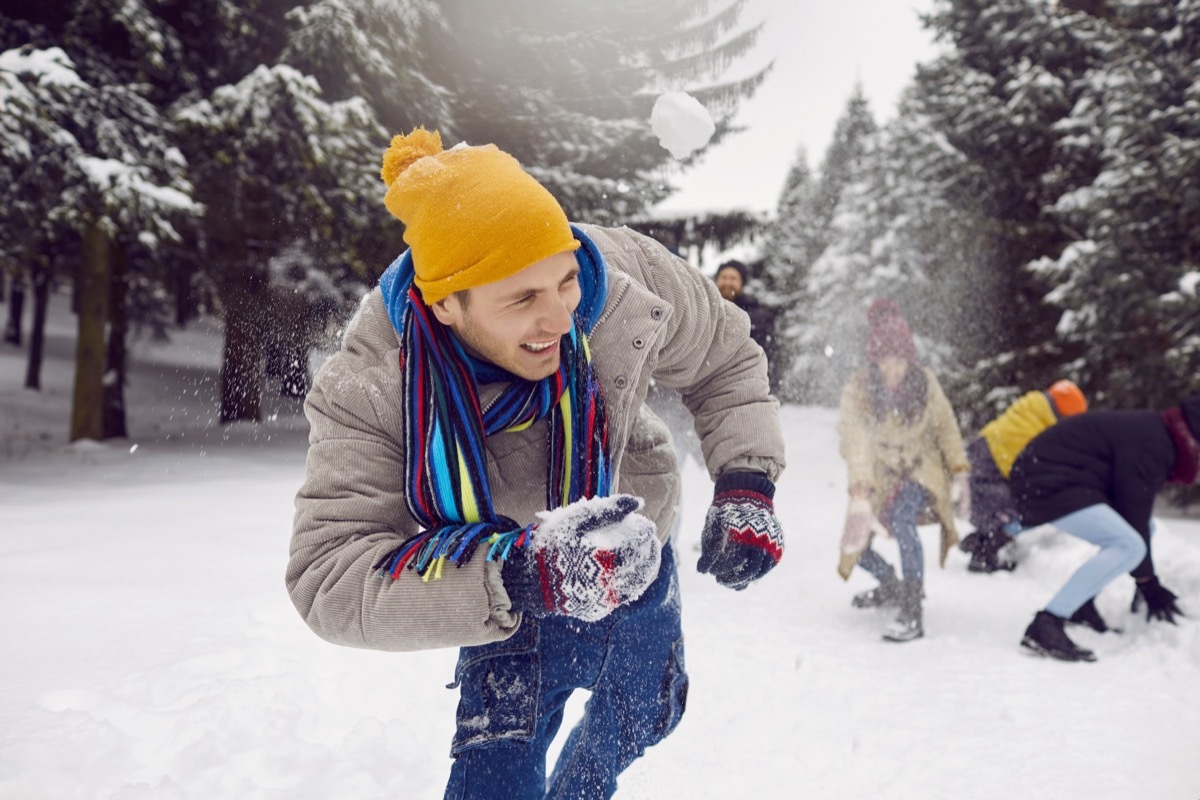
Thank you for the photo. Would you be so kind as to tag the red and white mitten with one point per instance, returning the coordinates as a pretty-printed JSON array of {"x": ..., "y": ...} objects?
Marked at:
[
  {"x": 742, "y": 539},
  {"x": 584, "y": 560}
]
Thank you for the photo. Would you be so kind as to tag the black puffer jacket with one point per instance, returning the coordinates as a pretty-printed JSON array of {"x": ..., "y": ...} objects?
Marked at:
[
  {"x": 1120, "y": 458},
  {"x": 762, "y": 322}
]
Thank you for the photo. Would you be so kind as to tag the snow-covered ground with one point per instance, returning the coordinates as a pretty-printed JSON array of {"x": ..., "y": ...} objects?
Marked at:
[{"x": 150, "y": 650}]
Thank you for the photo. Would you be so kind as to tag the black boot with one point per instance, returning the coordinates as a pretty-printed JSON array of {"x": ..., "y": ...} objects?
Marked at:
[
  {"x": 985, "y": 557},
  {"x": 1088, "y": 615},
  {"x": 1045, "y": 636},
  {"x": 887, "y": 593},
  {"x": 908, "y": 624}
]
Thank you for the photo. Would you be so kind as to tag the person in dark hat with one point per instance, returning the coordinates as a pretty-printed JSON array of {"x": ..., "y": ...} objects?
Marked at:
[
  {"x": 731, "y": 279},
  {"x": 1095, "y": 477},
  {"x": 907, "y": 465}
]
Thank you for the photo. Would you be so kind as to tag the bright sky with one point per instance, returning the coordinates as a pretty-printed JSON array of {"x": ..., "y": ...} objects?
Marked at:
[{"x": 820, "y": 47}]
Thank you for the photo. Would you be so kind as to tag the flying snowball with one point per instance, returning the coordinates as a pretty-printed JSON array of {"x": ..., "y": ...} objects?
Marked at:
[{"x": 681, "y": 124}]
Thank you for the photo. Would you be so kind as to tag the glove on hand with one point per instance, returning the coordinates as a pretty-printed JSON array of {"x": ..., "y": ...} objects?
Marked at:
[
  {"x": 1160, "y": 601},
  {"x": 960, "y": 495},
  {"x": 584, "y": 560},
  {"x": 742, "y": 540},
  {"x": 860, "y": 522}
]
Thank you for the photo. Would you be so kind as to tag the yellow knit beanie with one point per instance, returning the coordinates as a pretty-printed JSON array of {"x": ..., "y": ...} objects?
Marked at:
[{"x": 471, "y": 214}]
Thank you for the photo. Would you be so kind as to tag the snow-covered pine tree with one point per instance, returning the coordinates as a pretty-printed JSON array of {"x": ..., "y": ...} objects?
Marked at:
[
  {"x": 110, "y": 175},
  {"x": 276, "y": 163},
  {"x": 376, "y": 50},
  {"x": 373, "y": 49},
  {"x": 151, "y": 53},
  {"x": 797, "y": 237},
  {"x": 567, "y": 86},
  {"x": 823, "y": 335},
  {"x": 1126, "y": 287},
  {"x": 791, "y": 243},
  {"x": 998, "y": 96},
  {"x": 35, "y": 90}
]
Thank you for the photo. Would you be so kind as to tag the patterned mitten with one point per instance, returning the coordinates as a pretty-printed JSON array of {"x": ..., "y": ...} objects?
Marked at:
[
  {"x": 742, "y": 540},
  {"x": 584, "y": 560}
]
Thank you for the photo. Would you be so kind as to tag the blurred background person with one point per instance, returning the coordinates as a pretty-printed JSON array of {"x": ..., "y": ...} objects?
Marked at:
[
  {"x": 731, "y": 281},
  {"x": 992, "y": 453},
  {"x": 1095, "y": 477},
  {"x": 907, "y": 466}
]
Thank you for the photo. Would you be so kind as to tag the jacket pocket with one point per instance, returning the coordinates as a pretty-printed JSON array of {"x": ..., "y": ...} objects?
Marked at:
[{"x": 499, "y": 690}]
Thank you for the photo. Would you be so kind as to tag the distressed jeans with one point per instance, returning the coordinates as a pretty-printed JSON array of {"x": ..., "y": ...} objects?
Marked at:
[
  {"x": 900, "y": 517},
  {"x": 512, "y": 696}
]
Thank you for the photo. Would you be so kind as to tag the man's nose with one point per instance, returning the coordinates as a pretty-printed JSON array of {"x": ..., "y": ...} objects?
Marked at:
[{"x": 557, "y": 316}]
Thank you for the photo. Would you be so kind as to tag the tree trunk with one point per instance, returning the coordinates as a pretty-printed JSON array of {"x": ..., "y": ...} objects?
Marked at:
[
  {"x": 16, "y": 307},
  {"x": 185, "y": 302},
  {"x": 114, "y": 376},
  {"x": 87, "y": 405},
  {"x": 37, "y": 334},
  {"x": 243, "y": 365}
]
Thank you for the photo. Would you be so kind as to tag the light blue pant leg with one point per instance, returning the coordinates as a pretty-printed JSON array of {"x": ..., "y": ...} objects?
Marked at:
[{"x": 1121, "y": 549}]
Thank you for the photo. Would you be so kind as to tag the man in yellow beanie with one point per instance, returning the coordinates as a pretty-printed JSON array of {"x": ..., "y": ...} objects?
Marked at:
[{"x": 483, "y": 472}]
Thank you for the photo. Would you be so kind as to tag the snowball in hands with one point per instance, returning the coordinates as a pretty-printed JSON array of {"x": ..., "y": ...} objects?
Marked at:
[
  {"x": 681, "y": 124},
  {"x": 600, "y": 552}
]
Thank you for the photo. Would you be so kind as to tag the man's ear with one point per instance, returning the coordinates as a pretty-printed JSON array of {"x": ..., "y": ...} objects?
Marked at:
[{"x": 448, "y": 310}]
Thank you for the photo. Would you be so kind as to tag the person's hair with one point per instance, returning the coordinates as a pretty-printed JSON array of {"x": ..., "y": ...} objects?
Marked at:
[
  {"x": 908, "y": 399},
  {"x": 733, "y": 263},
  {"x": 463, "y": 296}
]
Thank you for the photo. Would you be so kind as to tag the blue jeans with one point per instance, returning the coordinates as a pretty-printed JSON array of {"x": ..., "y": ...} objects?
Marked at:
[
  {"x": 512, "y": 695},
  {"x": 1121, "y": 549},
  {"x": 900, "y": 516}
]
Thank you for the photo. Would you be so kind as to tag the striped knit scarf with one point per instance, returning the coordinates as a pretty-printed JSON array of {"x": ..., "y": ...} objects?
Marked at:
[{"x": 445, "y": 427}]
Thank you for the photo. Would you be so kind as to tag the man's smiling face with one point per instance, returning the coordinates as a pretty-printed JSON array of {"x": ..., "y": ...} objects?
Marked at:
[{"x": 517, "y": 323}]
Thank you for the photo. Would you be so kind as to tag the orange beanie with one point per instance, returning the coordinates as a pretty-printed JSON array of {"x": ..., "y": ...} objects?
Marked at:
[
  {"x": 471, "y": 214},
  {"x": 1068, "y": 398}
]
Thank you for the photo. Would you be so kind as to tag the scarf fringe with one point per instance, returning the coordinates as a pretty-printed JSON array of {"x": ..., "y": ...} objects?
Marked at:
[
  {"x": 445, "y": 429},
  {"x": 428, "y": 552}
]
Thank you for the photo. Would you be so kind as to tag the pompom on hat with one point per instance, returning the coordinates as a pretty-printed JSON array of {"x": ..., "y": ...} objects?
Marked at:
[
  {"x": 888, "y": 333},
  {"x": 472, "y": 216},
  {"x": 1068, "y": 399}
]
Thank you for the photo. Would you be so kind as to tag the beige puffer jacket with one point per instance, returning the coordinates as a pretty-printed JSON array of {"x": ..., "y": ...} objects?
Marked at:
[
  {"x": 879, "y": 453},
  {"x": 663, "y": 320}
]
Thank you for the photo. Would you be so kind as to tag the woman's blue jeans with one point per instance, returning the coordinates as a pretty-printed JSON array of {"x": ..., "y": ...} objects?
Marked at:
[
  {"x": 900, "y": 517},
  {"x": 512, "y": 695},
  {"x": 1121, "y": 549}
]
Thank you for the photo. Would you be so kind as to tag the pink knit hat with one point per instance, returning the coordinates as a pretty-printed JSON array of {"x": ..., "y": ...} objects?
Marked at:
[{"x": 888, "y": 334}]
